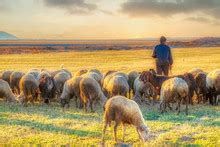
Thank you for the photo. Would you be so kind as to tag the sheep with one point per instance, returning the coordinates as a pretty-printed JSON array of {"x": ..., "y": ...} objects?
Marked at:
[
  {"x": 29, "y": 87},
  {"x": 117, "y": 85},
  {"x": 188, "y": 77},
  {"x": 202, "y": 90},
  {"x": 94, "y": 75},
  {"x": 122, "y": 110},
  {"x": 5, "y": 75},
  {"x": 213, "y": 86},
  {"x": 174, "y": 90},
  {"x": 34, "y": 72},
  {"x": 107, "y": 79},
  {"x": 195, "y": 71},
  {"x": 15, "y": 78},
  {"x": 54, "y": 73},
  {"x": 90, "y": 91},
  {"x": 96, "y": 71},
  {"x": 80, "y": 72},
  {"x": 132, "y": 75},
  {"x": 59, "y": 81},
  {"x": 153, "y": 78},
  {"x": 47, "y": 88},
  {"x": 43, "y": 74},
  {"x": 71, "y": 89},
  {"x": 108, "y": 73},
  {"x": 5, "y": 91},
  {"x": 143, "y": 90}
]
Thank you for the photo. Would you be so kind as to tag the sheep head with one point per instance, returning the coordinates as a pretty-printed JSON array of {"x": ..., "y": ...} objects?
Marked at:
[{"x": 143, "y": 132}]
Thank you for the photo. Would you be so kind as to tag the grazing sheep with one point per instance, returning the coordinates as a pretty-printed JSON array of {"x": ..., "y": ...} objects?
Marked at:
[
  {"x": 195, "y": 71},
  {"x": 96, "y": 71},
  {"x": 54, "y": 73},
  {"x": 174, "y": 90},
  {"x": 93, "y": 75},
  {"x": 47, "y": 88},
  {"x": 43, "y": 74},
  {"x": 122, "y": 110},
  {"x": 213, "y": 85},
  {"x": 143, "y": 90},
  {"x": 188, "y": 77},
  {"x": 202, "y": 90},
  {"x": 154, "y": 79},
  {"x": 117, "y": 85},
  {"x": 71, "y": 89},
  {"x": 108, "y": 73},
  {"x": 34, "y": 72},
  {"x": 131, "y": 78},
  {"x": 15, "y": 78},
  {"x": 5, "y": 91},
  {"x": 90, "y": 91},
  {"x": 5, "y": 75},
  {"x": 29, "y": 87},
  {"x": 80, "y": 72},
  {"x": 59, "y": 81}
]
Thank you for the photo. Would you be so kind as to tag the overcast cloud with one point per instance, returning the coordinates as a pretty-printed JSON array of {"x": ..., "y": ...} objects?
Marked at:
[
  {"x": 167, "y": 8},
  {"x": 72, "y": 6}
]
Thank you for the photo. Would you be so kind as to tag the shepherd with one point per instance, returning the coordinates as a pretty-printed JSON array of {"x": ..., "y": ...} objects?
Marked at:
[{"x": 163, "y": 56}]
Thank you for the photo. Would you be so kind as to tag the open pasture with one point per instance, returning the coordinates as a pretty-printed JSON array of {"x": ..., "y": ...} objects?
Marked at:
[{"x": 42, "y": 124}]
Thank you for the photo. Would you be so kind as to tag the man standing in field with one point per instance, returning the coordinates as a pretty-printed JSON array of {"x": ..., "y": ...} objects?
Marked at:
[{"x": 163, "y": 56}]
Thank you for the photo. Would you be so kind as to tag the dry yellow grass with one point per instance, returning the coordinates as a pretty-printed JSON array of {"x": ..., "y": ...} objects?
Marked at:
[{"x": 184, "y": 60}]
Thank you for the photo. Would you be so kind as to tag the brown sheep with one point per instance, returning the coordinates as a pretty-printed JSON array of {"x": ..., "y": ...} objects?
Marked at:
[
  {"x": 47, "y": 88},
  {"x": 90, "y": 91},
  {"x": 5, "y": 91},
  {"x": 195, "y": 71},
  {"x": 131, "y": 78},
  {"x": 143, "y": 91},
  {"x": 202, "y": 90},
  {"x": 93, "y": 75},
  {"x": 71, "y": 89},
  {"x": 5, "y": 75},
  {"x": 15, "y": 78},
  {"x": 125, "y": 111},
  {"x": 29, "y": 87},
  {"x": 96, "y": 71}
]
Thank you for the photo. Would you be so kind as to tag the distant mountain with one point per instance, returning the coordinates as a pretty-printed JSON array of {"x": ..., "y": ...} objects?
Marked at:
[{"x": 7, "y": 36}]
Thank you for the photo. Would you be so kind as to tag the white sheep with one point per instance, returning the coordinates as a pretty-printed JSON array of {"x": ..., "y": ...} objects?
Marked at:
[
  {"x": 174, "y": 90},
  {"x": 125, "y": 111},
  {"x": 5, "y": 91},
  {"x": 213, "y": 86}
]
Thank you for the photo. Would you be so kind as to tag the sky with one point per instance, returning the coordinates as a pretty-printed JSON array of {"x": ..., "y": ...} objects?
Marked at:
[{"x": 109, "y": 19}]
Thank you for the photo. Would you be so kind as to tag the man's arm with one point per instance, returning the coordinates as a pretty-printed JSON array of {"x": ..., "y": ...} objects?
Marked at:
[
  {"x": 154, "y": 55},
  {"x": 170, "y": 57}
]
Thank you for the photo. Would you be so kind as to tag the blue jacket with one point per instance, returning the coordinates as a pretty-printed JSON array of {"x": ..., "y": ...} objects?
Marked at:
[{"x": 163, "y": 53}]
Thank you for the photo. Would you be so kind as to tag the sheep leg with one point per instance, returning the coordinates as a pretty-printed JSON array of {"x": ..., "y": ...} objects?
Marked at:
[
  {"x": 76, "y": 102},
  {"x": 85, "y": 106},
  {"x": 115, "y": 131},
  {"x": 179, "y": 103},
  {"x": 91, "y": 105},
  {"x": 186, "y": 108},
  {"x": 103, "y": 131}
]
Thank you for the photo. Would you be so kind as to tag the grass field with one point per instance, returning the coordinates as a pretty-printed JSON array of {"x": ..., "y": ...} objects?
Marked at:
[{"x": 42, "y": 124}]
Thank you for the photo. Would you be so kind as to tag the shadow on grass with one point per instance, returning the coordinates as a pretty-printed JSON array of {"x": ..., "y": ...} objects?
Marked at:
[
  {"x": 50, "y": 112},
  {"x": 47, "y": 127},
  {"x": 206, "y": 116}
]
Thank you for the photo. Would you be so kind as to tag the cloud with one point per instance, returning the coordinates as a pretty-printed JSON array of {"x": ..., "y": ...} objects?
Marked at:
[
  {"x": 167, "y": 8},
  {"x": 72, "y": 6},
  {"x": 198, "y": 19}
]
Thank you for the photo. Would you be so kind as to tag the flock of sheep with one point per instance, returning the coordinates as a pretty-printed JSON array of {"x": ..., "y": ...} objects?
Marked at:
[{"x": 120, "y": 94}]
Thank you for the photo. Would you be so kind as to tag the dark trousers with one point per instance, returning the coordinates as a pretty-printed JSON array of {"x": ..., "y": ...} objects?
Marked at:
[{"x": 162, "y": 67}]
